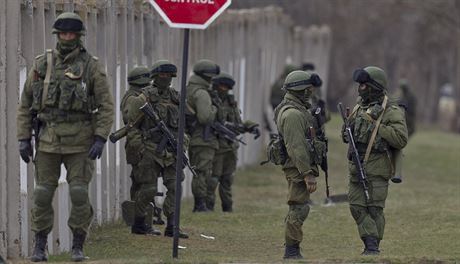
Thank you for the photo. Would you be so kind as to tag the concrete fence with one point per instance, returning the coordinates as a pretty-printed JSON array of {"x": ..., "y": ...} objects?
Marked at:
[{"x": 252, "y": 45}]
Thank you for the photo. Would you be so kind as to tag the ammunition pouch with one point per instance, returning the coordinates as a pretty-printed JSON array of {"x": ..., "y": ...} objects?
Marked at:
[
  {"x": 276, "y": 150},
  {"x": 318, "y": 150}
]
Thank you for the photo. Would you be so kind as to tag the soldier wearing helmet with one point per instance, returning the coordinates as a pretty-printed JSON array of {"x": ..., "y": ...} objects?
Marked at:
[
  {"x": 203, "y": 143},
  {"x": 224, "y": 163},
  {"x": 67, "y": 96},
  {"x": 379, "y": 131},
  {"x": 146, "y": 153},
  {"x": 304, "y": 153}
]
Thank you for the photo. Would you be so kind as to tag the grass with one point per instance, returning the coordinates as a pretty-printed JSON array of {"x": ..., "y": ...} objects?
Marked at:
[{"x": 423, "y": 216}]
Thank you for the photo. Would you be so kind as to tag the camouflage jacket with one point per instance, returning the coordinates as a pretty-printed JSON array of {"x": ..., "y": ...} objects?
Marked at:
[{"x": 78, "y": 105}]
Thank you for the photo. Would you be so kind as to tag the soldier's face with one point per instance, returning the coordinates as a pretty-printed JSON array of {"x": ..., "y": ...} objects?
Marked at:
[
  {"x": 67, "y": 36},
  {"x": 165, "y": 75},
  {"x": 223, "y": 88},
  {"x": 362, "y": 87}
]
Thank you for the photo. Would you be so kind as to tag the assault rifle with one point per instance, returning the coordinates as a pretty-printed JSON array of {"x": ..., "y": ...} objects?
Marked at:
[
  {"x": 240, "y": 128},
  {"x": 36, "y": 124},
  {"x": 168, "y": 138},
  {"x": 224, "y": 132},
  {"x": 356, "y": 158}
]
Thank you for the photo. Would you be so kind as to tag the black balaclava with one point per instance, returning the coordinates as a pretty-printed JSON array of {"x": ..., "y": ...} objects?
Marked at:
[
  {"x": 370, "y": 94},
  {"x": 162, "y": 82}
]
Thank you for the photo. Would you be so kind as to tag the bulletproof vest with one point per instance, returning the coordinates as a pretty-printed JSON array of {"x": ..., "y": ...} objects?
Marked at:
[
  {"x": 317, "y": 146},
  {"x": 166, "y": 105},
  {"x": 67, "y": 98},
  {"x": 362, "y": 128}
]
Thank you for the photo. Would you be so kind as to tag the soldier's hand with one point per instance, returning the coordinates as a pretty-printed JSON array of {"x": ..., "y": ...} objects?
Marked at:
[
  {"x": 344, "y": 134},
  {"x": 256, "y": 132},
  {"x": 25, "y": 150},
  {"x": 96, "y": 149},
  {"x": 311, "y": 183}
]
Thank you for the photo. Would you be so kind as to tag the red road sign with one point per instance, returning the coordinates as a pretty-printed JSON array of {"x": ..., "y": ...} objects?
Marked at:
[{"x": 196, "y": 14}]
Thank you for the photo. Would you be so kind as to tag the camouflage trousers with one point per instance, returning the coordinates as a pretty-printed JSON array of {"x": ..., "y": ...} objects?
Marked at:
[
  {"x": 297, "y": 200},
  {"x": 223, "y": 169},
  {"x": 47, "y": 171},
  {"x": 369, "y": 217},
  {"x": 144, "y": 177},
  {"x": 201, "y": 158}
]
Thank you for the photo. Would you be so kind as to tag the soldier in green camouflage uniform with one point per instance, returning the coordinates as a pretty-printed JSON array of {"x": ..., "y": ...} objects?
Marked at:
[
  {"x": 373, "y": 109},
  {"x": 225, "y": 160},
  {"x": 67, "y": 91},
  {"x": 304, "y": 153},
  {"x": 203, "y": 143},
  {"x": 146, "y": 153},
  {"x": 138, "y": 79},
  {"x": 409, "y": 101}
]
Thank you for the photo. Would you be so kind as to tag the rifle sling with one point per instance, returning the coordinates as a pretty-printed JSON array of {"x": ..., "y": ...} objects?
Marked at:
[
  {"x": 49, "y": 69},
  {"x": 374, "y": 132}
]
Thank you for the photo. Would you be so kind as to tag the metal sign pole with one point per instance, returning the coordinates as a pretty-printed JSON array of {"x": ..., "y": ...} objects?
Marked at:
[{"x": 180, "y": 144}]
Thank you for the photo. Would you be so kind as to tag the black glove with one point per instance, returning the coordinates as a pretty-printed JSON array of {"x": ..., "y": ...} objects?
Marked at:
[
  {"x": 256, "y": 132},
  {"x": 344, "y": 134},
  {"x": 96, "y": 149},
  {"x": 25, "y": 150}
]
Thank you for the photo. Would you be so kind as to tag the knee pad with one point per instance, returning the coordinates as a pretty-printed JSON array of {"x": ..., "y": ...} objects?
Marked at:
[
  {"x": 375, "y": 211},
  {"x": 78, "y": 194},
  {"x": 44, "y": 195},
  {"x": 358, "y": 213}
]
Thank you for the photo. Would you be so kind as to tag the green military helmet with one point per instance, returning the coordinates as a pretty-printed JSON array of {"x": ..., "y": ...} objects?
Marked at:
[
  {"x": 374, "y": 76},
  {"x": 139, "y": 76},
  {"x": 206, "y": 68},
  {"x": 301, "y": 80},
  {"x": 163, "y": 66},
  {"x": 223, "y": 79},
  {"x": 69, "y": 22},
  {"x": 289, "y": 68}
]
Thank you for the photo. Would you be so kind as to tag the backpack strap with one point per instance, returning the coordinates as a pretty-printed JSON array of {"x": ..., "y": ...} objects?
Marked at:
[
  {"x": 49, "y": 69},
  {"x": 374, "y": 132}
]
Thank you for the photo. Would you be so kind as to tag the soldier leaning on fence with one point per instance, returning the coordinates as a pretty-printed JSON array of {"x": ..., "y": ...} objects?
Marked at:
[
  {"x": 146, "y": 153},
  {"x": 66, "y": 96},
  {"x": 303, "y": 153},
  {"x": 203, "y": 142},
  {"x": 224, "y": 163},
  {"x": 373, "y": 112}
]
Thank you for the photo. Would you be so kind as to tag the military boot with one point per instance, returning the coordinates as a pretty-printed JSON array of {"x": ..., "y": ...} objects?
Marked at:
[
  {"x": 77, "y": 246},
  {"x": 200, "y": 205},
  {"x": 210, "y": 205},
  {"x": 370, "y": 246},
  {"x": 39, "y": 253},
  {"x": 227, "y": 208},
  {"x": 169, "y": 230},
  {"x": 141, "y": 228},
  {"x": 292, "y": 252}
]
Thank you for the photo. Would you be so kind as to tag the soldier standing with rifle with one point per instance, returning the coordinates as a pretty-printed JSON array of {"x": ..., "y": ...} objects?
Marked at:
[
  {"x": 375, "y": 130},
  {"x": 224, "y": 163},
  {"x": 138, "y": 79},
  {"x": 67, "y": 101},
  {"x": 203, "y": 142},
  {"x": 150, "y": 149}
]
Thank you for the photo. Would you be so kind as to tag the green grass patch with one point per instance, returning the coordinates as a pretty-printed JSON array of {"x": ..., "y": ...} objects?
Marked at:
[{"x": 423, "y": 216}]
